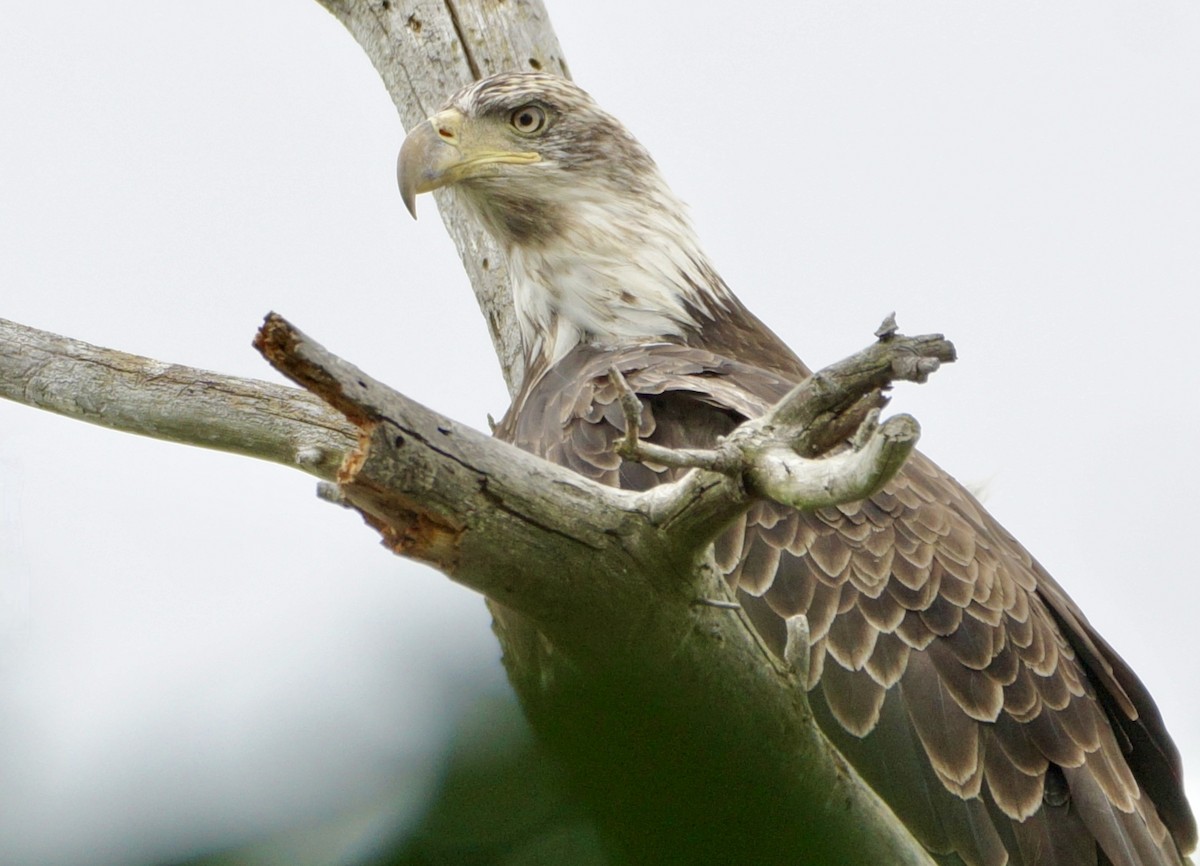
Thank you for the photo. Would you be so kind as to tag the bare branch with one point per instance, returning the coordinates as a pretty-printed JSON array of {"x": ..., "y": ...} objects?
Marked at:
[
  {"x": 631, "y": 408},
  {"x": 779, "y": 473},
  {"x": 796, "y": 649},
  {"x": 779, "y": 456},
  {"x": 582, "y": 559},
  {"x": 424, "y": 52},
  {"x": 772, "y": 468},
  {"x": 611, "y": 579},
  {"x": 168, "y": 401},
  {"x": 633, "y": 447},
  {"x": 603, "y": 583},
  {"x": 830, "y": 405},
  {"x": 501, "y": 521}
]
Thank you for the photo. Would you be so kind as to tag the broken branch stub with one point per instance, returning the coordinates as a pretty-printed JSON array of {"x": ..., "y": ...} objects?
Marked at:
[
  {"x": 586, "y": 562},
  {"x": 856, "y": 384},
  {"x": 490, "y": 516},
  {"x": 506, "y": 523},
  {"x": 784, "y": 456}
]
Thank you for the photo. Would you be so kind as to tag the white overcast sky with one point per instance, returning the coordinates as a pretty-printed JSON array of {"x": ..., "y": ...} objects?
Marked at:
[{"x": 192, "y": 647}]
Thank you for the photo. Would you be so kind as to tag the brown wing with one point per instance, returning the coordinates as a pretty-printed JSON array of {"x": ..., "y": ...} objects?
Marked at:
[{"x": 946, "y": 665}]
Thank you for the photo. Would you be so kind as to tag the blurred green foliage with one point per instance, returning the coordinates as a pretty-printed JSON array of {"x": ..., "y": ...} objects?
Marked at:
[{"x": 500, "y": 800}]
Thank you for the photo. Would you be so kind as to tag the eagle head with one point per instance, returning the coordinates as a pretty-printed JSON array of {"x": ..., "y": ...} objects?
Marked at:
[
  {"x": 599, "y": 249},
  {"x": 517, "y": 145}
]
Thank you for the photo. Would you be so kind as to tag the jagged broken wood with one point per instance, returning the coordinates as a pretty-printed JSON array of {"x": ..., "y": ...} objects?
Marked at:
[
  {"x": 774, "y": 455},
  {"x": 638, "y": 557},
  {"x": 585, "y": 561},
  {"x": 757, "y": 460}
]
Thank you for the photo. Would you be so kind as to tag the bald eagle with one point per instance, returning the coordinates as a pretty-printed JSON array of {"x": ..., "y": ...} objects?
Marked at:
[{"x": 947, "y": 666}]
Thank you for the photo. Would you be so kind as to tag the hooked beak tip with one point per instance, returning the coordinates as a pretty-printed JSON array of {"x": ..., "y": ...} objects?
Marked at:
[
  {"x": 423, "y": 163},
  {"x": 407, "y": 183}
]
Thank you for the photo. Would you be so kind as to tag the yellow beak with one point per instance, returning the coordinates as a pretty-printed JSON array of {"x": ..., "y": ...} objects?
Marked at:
[{"x": 447, "y": 148}]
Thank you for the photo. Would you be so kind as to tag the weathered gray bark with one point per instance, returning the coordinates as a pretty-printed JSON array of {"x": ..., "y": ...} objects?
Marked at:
[
  {"x": 620, "y": 584},
  {"x": 618, "y": 580},
  {"x": 586, "y": 562},
  {"x": 172, "y": 402},
  {"x": 426, "y": 50}
]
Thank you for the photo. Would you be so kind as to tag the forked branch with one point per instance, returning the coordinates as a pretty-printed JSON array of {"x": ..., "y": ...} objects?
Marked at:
[
  {"x": 588, "y": 562},
  {"x": 821, "y": 445}
]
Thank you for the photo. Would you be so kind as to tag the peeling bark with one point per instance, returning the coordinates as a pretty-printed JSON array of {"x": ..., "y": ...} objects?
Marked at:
[
  {"x": 619, "y": 581},
  {"x": 644, "y": 632}
]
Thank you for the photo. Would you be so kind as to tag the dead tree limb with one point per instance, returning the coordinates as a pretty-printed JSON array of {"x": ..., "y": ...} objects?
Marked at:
[
  {"x": 172, "y": 402},
  {"x": 587, "y": 562},
  {"x": 590, "y": 564},
  {"x": 605, "y": 573},
  {"x": 424, "y": 50}
]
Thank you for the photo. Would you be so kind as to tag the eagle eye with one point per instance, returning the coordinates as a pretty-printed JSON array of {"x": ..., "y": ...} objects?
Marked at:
[{"x": 528, "y": 119}]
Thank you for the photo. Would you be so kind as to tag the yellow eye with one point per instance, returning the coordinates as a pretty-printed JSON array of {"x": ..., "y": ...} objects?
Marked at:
[{"x": 528, "y": 120}]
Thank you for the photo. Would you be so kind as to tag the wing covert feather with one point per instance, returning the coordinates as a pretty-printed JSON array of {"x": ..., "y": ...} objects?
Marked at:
[{"x": 948, "y": 667}]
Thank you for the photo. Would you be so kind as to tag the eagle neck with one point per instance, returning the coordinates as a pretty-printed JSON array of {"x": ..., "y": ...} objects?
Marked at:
[{"x": 617, "y": 271}]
